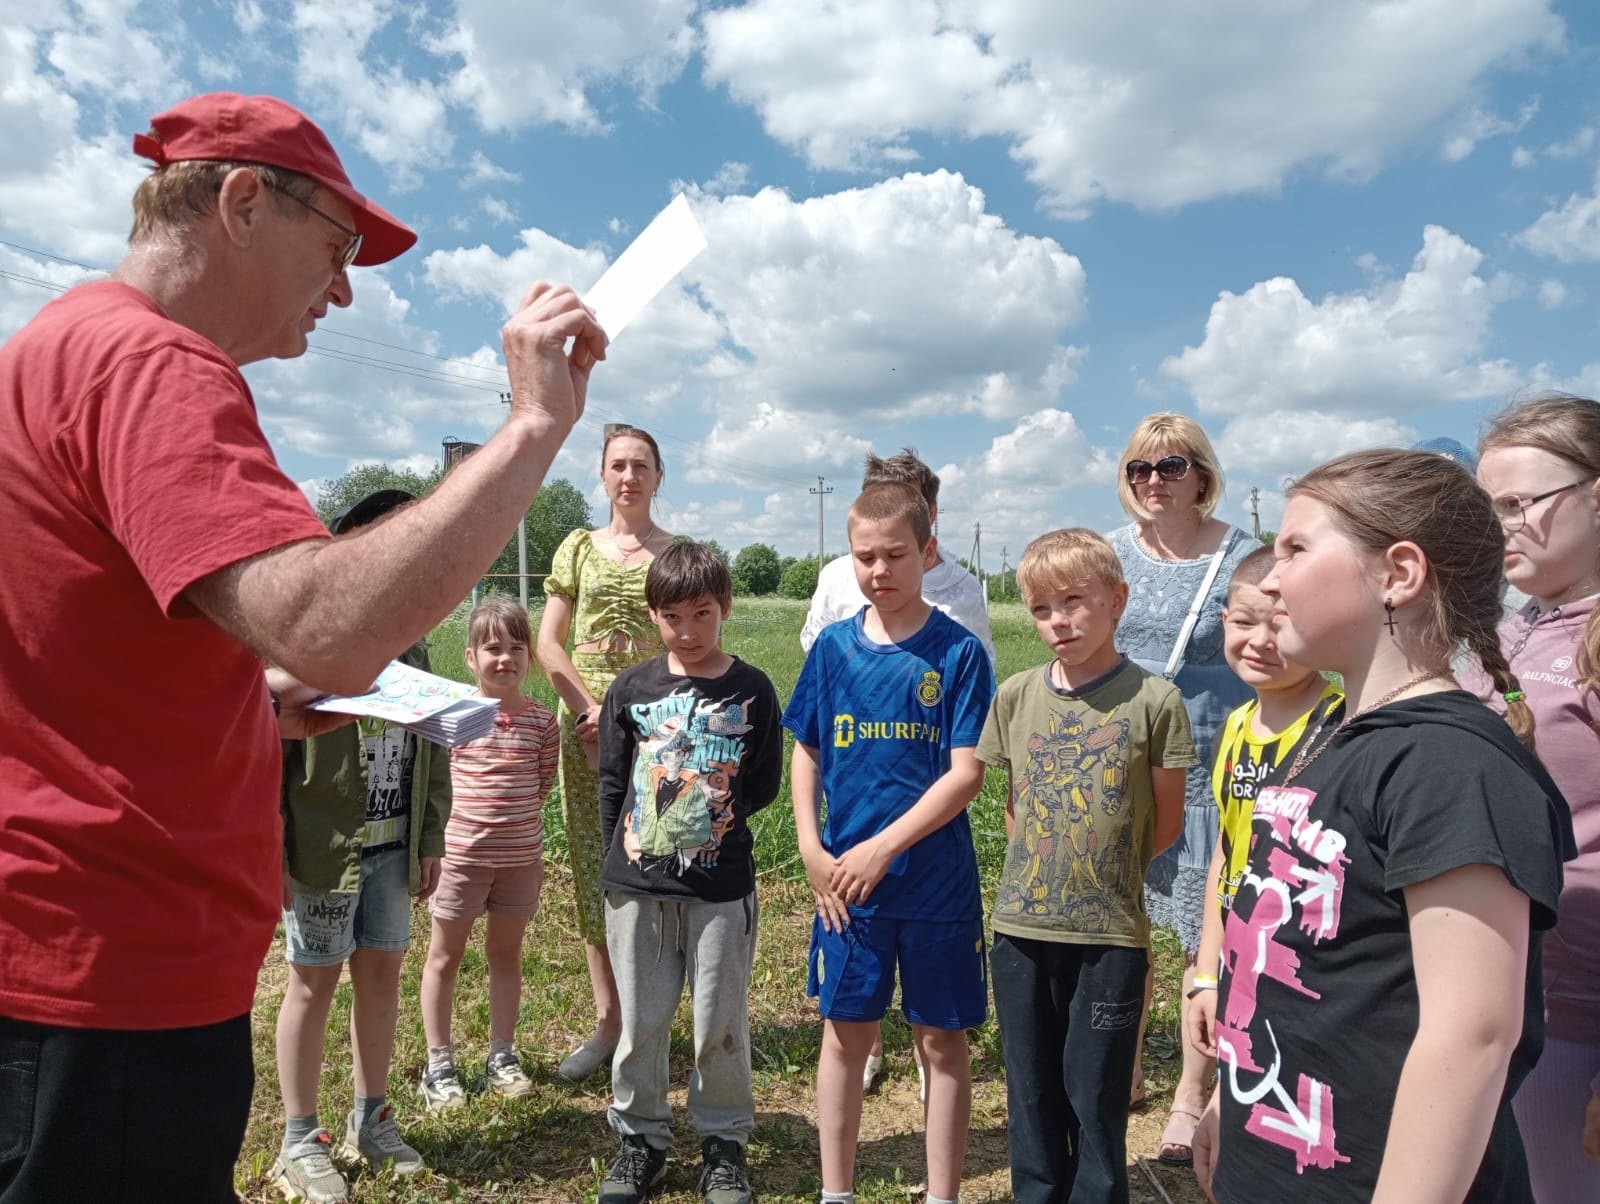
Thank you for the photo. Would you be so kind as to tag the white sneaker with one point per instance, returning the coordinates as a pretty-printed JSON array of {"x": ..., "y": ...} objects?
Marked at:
[
  {"x": 441, "y": 1089},
  {"x": 873, "y": 1069},
  {"x": 506, "y": 1076}
]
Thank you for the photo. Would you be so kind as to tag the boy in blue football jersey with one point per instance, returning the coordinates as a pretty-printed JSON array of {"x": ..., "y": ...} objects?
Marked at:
[{"x": 886, "y": 716}]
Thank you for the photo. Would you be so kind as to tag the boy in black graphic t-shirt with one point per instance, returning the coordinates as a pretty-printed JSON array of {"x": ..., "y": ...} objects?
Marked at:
[{"x": 690, "y": 748}]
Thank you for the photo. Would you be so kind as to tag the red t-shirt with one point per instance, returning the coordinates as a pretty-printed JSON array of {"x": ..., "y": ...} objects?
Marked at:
[{"x": 140, "y": 846}]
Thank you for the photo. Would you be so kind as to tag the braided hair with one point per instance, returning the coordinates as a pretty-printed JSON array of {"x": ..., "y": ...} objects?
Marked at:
[{"x": 1384, "y": 497}]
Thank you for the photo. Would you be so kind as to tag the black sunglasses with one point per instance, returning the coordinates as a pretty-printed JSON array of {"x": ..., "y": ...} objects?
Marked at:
[{"x": 1168, "y": 468}]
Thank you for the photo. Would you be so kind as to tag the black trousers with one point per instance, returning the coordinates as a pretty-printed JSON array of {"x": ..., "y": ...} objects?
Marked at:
[
  {"x": 1069, "y": 1028},
  {"x": 122, "y": 1117}
]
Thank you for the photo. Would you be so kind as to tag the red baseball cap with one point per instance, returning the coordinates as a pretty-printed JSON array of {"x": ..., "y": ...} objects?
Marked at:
[{"x": 263, "y": 129}]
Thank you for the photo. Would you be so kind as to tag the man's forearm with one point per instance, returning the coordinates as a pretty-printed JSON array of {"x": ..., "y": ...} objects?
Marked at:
[{"x": 334, "y": 613}]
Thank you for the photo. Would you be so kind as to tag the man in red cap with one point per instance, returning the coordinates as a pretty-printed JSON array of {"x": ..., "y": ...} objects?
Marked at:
[{"x": 154, "y": 556}]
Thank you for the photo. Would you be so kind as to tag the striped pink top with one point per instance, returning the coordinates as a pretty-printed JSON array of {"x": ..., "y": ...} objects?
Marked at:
[{"x": 498, "y": 786}]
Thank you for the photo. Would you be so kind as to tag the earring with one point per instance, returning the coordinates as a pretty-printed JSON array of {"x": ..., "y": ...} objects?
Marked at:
[{"x": 1388, "y": 607}]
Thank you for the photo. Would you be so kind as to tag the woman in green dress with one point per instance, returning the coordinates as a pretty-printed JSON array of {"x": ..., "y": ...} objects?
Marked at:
[{"x": 595, "y": 595}]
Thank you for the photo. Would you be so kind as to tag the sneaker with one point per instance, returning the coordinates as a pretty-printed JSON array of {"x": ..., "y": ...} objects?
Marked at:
[
  {"x": 378, "y": 1142},
  {"x": 441, "y": 1089},
  {"x": 637, "y": 1168},
  {"x": 873, "y": 1069},
  {"x": 305, "y": 1171},
  {"x": 586, "y": 1059},
  {"x": 506, "y": 1074},
  {"x": 724, "y": 1178}
]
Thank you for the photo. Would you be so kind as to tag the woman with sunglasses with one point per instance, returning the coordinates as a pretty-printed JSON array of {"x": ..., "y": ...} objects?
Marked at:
[
  {"x": 1177, "y": 559},
  {"x": 1540, "y": 464}
]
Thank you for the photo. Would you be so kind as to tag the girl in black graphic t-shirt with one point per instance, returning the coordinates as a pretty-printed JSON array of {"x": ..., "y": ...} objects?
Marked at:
[{"x": 1380, "y": 985}]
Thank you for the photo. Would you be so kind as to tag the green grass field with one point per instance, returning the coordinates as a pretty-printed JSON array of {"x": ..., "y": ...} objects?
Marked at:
[{"x": 553, "y": 1144}]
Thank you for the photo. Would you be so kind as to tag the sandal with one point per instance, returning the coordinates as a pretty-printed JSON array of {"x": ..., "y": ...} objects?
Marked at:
[
  {"x": 1138, "y": 1098},
  {"x": 1177, "y": 1139}
]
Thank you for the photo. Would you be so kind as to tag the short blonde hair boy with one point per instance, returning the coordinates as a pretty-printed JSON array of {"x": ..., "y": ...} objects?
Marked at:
[
  {"x": 1179, "y": 433},
  {"x": 1060, "y": 558}
]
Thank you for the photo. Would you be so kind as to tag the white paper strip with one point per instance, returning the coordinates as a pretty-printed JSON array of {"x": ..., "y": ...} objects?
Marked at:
[{"x": 663, "y": 249}]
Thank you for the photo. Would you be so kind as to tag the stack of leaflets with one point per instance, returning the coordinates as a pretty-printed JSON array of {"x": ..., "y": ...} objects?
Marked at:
[{"x": 435, "y": 708}]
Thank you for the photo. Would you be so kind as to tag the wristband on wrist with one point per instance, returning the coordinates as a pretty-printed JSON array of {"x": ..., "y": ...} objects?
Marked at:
[
  {"x": 1198, "y": 987},
  {"x": 1205, "y": 980}
]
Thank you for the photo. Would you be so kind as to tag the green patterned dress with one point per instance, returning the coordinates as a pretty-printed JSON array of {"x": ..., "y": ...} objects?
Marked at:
[{"x": 607, "y": 605}]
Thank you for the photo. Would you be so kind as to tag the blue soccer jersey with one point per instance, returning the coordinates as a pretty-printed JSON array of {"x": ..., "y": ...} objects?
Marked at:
[{"x": 884, "y": 718}]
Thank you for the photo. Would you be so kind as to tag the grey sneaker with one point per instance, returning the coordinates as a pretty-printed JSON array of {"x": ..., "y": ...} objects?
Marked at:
[
  {"x": 378, "y": 1142},
  {"x": 506, "y": 1075},
  {"x": 305, "y": 1171},
  {"x": 585, "y": 1060},
  {"x": 724, "y": 1178},
  {"x": 636, "y": 1169},
  {"x": 441, "y": 1089}
]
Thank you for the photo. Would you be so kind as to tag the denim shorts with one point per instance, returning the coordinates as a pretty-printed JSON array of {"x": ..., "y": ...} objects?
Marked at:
[
  {"x": 944, "y": 981},
  {"x": 326, "y": 926}
]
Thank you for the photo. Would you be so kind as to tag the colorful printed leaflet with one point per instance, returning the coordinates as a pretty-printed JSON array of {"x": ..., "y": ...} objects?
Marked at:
[{"x": 435, "y": 708}]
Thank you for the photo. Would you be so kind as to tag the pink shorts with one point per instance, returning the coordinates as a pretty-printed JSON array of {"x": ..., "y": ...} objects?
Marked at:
[{"x": 467, "y": 891}]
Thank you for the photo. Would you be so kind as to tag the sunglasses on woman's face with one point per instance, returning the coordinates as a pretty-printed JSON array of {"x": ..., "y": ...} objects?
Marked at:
[{"x": 1168, "y": 468}]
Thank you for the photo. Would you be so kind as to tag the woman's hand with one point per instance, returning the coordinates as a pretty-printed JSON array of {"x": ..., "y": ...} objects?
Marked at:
[{"x": 587, "y": 724}]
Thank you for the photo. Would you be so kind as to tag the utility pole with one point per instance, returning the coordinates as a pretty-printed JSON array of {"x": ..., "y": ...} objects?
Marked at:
[
  {"x": 822, "y": 490},
  {"x": 1005, "y": 567},
  {"x": 976, "y": 561},
  {"x": 1255, "y": 512},
  {"x": 522, "y": 543}
]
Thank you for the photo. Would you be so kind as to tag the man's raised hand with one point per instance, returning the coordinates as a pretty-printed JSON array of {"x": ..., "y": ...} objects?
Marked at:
[{"x": 549, "y": 383}]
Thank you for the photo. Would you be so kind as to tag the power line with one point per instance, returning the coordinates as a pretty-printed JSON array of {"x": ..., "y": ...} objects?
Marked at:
[{"x": 755, "y": 479}]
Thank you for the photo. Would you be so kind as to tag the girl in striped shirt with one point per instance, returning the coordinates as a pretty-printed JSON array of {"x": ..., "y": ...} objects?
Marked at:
[{"x": 493, "y": 854}]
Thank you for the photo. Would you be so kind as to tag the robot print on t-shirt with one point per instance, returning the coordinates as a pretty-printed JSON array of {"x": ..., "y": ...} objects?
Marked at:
[
  {"x": 1075, "y": 854},
  {"x": 688, "y": 756}
]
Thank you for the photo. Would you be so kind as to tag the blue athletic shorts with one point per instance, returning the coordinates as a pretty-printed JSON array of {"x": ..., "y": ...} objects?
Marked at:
[{"x": 944, "y": 972}]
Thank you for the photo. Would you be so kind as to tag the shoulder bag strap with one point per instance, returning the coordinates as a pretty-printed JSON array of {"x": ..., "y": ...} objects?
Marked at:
[{"x": 1193, "y": 617}]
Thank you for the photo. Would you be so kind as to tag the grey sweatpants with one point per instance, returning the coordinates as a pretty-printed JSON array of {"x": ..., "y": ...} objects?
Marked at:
[{"x": 657, "y": 944}]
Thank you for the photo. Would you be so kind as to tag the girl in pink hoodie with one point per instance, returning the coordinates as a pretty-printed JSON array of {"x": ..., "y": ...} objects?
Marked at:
[{"x": 1540, "y": 463}]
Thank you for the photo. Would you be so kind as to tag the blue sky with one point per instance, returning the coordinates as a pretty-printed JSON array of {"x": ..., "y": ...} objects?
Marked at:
[{"x": 997, "y": 230}]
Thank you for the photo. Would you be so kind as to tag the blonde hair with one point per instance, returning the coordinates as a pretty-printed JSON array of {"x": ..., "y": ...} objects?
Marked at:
[
  {"x": 1180, "y": 433},
  {"x": 891, "y": 503},
  {"x": 1384, "y": 497},
  {"x": 1059, "y": 558},
  {"x": 170, "y": 198},
  {"x": 1568, "y": 428}
]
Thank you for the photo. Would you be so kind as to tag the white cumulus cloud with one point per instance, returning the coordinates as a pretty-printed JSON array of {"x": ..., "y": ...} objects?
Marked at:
[
  {"x": 1396, "y": 346},
  {"x": 1097, "y": 106},
  {"x": 524, "y": 64},
  {"x": 1570, "y": 232}
]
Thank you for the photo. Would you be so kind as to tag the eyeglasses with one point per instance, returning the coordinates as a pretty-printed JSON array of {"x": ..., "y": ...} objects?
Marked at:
[
  {"x": 348, "y": 255},
  {"x": 1168, "y": 468},
  {"x": 1512, "y": 511}
]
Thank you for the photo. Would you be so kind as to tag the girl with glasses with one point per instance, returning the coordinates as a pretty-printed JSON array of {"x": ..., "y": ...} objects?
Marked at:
[
  {"x": 1540, "y": 463},
  {"x": 1177, "y": 558}
]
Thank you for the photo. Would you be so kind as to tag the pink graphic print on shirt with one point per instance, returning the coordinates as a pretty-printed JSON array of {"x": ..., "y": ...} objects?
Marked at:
[{"x": 1305, "y": 883}]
